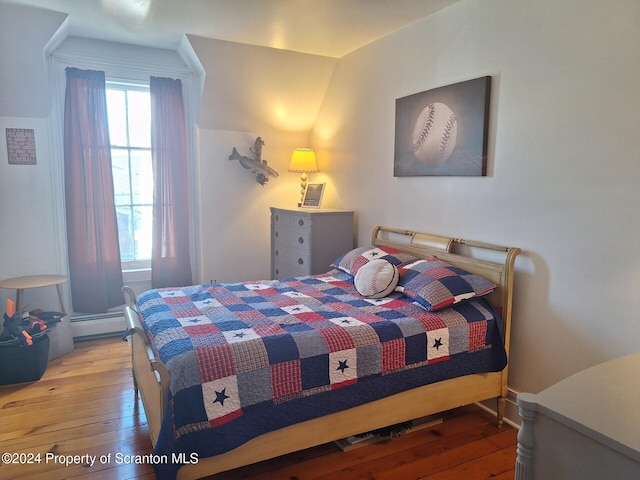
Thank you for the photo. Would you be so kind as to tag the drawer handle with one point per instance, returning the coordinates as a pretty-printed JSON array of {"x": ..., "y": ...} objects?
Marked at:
[
  {"x": 277, "y": 218},
  {"x": 277, "y": 233},
  {"x": 277, "y": 253},
  {"x": 277, "y": 271},
  {"x": 300, "y": 240},
  {"x": 300, "y": 261},
  {"x": 301, "y": 222}
]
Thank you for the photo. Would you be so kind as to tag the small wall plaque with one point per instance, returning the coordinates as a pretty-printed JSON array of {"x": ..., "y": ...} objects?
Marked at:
[{"x": 21, "y": 146}]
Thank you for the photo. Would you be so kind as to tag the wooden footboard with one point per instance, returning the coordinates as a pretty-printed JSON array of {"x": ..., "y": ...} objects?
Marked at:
[
  {"x": 402, "y": 407},
  {"x": 150, "y": 376}
]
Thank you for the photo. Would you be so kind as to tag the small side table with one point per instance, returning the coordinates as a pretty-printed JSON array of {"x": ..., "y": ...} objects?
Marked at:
[
  {"x": 60, "y": 337},
  {"x": 34, "y": 281}
]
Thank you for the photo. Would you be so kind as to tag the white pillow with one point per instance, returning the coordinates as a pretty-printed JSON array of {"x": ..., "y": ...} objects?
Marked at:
[{"x": 376, "y": 279}]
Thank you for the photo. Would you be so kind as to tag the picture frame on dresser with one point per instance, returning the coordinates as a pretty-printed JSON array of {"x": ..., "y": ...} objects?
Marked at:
[{"x": 313, "y": 195}]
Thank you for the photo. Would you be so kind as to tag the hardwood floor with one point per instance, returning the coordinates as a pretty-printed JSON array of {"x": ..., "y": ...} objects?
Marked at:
[{"x": 84, "y": 406}]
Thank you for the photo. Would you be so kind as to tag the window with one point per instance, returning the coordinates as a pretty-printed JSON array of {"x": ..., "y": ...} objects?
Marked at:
[{"x": 129, "y": 112}]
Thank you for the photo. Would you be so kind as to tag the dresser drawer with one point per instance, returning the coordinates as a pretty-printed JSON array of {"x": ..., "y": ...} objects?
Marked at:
[
  {"x": 291, "y": 238},
  {"x": 285, "y": 269},
  {"x": 291, "y": 257},
  {"x": 291, "y": 220}
]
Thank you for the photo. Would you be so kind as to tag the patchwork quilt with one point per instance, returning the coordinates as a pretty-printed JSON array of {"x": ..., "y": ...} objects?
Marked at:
[{"x": 252, "y": 357}]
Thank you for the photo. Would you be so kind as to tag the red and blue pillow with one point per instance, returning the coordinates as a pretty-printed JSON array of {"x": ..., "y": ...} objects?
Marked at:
[{"x": 435, "y": 284}]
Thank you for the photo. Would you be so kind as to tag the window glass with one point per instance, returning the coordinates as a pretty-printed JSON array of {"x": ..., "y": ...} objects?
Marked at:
[
  {"x": 142, "y": 231},
  {"x": 125, "y": 233},
  {"x": 129, "y": 111},
  {"x": 141, "y": 177},
  {"x": 139, "y": 109},
  {"x": 116, "y": 111},
  {"x": 121, "y": 177}
]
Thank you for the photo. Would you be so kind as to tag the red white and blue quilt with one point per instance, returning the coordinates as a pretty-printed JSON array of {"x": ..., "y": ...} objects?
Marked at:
[{"x": 252, "y": 357}]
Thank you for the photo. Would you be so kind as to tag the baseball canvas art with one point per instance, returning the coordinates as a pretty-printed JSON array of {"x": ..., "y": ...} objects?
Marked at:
[{"x": 443, "y": 131}]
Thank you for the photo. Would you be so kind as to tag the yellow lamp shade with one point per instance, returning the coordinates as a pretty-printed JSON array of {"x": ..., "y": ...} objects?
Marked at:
[{"x": 303, "y": 160}]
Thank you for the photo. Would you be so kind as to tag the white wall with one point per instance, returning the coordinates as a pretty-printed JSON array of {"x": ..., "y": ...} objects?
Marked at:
[
  {"x": 251, "y": 91},
  {"x": 27, "y": 217},
  {"x": 235, "y": 216},
  {"x": 26, "y": 212},
  {"x": 24, "y": 33},
  {"x": 563, "y": 172}
]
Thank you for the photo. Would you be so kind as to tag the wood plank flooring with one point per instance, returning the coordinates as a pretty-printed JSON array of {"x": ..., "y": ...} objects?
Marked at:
[{"x": 84, "y": 406}]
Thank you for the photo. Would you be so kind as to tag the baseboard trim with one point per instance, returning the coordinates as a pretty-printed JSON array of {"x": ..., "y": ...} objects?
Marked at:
[{"x": 511, "y": 416}]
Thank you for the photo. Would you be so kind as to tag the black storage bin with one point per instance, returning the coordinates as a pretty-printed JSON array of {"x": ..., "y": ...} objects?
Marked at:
[{"x": 20, "y": 363}]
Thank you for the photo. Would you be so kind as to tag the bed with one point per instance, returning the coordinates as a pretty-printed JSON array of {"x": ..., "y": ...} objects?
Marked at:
[{"x": 234, "y": 374}]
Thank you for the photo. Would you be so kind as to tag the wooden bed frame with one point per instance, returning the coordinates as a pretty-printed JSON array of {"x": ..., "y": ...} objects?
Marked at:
[{"x": 151, "y": 377}]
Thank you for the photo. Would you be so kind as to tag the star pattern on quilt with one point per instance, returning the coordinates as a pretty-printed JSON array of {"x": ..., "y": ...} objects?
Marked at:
[
  {"x": 438, "y": 343},
  {"x": 342, "y": 366},
  {"x": 221, "y": 397}
]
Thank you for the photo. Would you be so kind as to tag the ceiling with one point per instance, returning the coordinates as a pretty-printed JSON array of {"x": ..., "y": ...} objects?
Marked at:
[{"x": 331, "y": 28}]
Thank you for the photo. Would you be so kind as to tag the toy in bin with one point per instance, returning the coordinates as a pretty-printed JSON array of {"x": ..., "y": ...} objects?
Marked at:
[
  {"x": 13, "y": 325},
  {"x": 23, "y": 351}
]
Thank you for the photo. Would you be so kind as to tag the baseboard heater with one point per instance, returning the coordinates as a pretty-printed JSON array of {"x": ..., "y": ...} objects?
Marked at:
[{"x": 87, "y": 327}]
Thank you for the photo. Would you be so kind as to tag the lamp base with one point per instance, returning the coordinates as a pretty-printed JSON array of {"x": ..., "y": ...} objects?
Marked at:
[{"x": 303, "y": 187}]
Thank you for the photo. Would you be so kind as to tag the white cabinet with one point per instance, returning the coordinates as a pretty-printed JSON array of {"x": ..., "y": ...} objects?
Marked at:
[
  {"x": 306, "y": 242},
  {"x": 585, "y": 427}
]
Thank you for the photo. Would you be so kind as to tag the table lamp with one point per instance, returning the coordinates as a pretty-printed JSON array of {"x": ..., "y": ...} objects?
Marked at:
[{"x": 303, "y": 161}]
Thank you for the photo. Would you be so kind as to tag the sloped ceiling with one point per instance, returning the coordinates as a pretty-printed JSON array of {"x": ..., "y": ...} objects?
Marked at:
[
  {"x": 251, "y": 88},
  {"x": 267, "y": 63},
  {"x": 24, "y": 32},
  {"x": 330, "y": 28}
]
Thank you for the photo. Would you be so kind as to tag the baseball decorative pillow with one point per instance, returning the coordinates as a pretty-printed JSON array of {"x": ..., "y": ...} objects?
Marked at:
[{"x": 376, "y": 279}]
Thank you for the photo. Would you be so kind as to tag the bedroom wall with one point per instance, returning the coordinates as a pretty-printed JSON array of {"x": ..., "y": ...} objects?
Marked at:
[
  {"x": 563, "y": 169},
  {"x": 28, "y": 244},
  {"x": 250, "y": 91}
]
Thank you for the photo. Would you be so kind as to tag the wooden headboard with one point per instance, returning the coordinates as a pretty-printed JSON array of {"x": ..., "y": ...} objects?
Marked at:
[{"x": 493, "y": 262}]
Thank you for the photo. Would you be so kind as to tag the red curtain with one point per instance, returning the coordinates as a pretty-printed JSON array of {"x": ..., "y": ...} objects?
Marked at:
[
  {"x": 92, "y": 233},
  {"x": 170, "y": 262}
]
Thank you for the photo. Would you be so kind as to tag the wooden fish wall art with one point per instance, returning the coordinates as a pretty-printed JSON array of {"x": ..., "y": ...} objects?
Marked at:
[{"x": 257, "y": 166}]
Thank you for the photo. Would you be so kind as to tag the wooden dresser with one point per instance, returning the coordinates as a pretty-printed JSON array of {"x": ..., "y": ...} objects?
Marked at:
[
  {"x": 306, "y": 242},
  {"x": 585, "y": 427}
]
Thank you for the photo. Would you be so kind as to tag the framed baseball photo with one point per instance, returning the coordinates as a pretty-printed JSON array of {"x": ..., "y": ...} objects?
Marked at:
[
  {"x": 443, "y": 131},
  {"x": 313, "y": 195}
]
